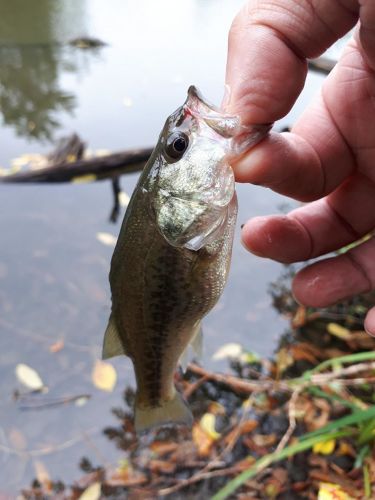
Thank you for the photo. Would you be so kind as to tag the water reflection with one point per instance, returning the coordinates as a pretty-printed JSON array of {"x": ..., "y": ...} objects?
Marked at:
[
  {"x": 34, "y": 56},
  {"x": 32, "y": 101}
]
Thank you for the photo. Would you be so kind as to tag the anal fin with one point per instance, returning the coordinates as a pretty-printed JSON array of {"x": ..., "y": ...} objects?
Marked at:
[
  {"x": 196, "y": 343},
  {"x": 112, "y": 344}
]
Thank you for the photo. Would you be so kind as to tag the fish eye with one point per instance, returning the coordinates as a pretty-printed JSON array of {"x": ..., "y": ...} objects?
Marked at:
[{"x": 176, "y": 145}]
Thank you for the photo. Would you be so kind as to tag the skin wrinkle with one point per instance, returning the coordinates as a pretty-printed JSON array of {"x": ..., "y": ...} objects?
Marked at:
[
  {"x": 350, "y": 151},
  {"x": 340, "y": 220},
  {"x": 310, "y": 239},
  {"x": 356, "y": 263}
]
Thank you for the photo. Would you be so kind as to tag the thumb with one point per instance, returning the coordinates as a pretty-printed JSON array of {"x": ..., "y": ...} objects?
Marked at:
[{"x": 269, "y": 42}]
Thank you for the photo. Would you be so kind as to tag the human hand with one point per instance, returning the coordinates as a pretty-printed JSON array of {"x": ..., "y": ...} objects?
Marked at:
[{"x": 329, "y": 156}]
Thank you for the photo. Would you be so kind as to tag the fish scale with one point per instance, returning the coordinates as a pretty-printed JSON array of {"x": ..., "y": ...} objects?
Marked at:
[{"x": 173, "y": 253}]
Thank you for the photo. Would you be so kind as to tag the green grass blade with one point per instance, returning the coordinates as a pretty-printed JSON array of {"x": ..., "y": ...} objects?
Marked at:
[
  {"x": 271, "y": 458},
  {"x": 355, "y": 418},
  {"x": 350, "y": 358}
]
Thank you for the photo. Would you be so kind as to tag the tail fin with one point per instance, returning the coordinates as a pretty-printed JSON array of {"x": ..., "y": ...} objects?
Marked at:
[{"x": 174, "y": 411}]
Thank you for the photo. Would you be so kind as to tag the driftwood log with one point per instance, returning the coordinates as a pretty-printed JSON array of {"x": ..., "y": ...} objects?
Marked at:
[{"x": 94, "y": 169}]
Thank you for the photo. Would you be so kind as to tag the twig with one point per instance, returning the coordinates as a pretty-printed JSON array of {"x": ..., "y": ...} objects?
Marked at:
[
  {"x": 292, "y": 420},
  {"x": 197, "y": 478},
  {"x": 319, "y": 379},
  {"x": 47, "y": 449}
]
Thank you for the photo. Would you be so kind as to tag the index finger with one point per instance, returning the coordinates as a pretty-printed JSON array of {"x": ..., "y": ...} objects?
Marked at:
[{"x": 269, "y": 42}]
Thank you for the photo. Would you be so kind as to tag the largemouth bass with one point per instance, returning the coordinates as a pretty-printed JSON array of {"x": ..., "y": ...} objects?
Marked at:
[{"x": 172, "y": 256}]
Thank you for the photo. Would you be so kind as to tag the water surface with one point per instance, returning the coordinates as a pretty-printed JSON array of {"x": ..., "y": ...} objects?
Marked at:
[{"x": 53, "y": 270}]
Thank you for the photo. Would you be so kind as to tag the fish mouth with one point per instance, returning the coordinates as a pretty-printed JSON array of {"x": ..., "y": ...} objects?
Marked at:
[{"x": 240, "y": 137}]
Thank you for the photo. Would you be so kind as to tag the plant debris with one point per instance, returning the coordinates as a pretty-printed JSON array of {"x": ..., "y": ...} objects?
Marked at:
[{"x": 298, "y": 426}]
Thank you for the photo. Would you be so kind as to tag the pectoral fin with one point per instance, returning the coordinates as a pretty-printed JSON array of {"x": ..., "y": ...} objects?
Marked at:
[{"x": 112, "y": 344}]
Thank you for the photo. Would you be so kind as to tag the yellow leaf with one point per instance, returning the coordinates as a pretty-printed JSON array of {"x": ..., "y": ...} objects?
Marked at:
[
  {"x": 207, "y": 423},
  {"x": 338, "y": 331},
  {"x": 124, "y": 199},
  {"x": 102, "y": 152},
  {"x": 84, "y": 178},
  {"x": 330, "y": 491},
  {"x": 325, "y": 447},
  {"x": 29, "y": 377},
  {"x": 104, "y": 376},
  {"x": 106, "y": 239},
  {"x": 41, "y": 472},
  {"x": 283, "y": 360},
  {"x": 230, "y": 350},
  {"x": 92, "y": 492}
]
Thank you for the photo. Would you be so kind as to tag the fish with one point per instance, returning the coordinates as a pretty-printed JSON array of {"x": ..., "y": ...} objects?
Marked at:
[{"x": 173, "y": 253}]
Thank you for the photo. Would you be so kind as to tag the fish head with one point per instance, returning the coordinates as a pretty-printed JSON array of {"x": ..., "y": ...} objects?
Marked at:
[{"x": 191, "y": 183}]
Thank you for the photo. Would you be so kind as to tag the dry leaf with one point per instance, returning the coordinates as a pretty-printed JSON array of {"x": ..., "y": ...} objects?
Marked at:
[
  {"x": 161, "y": 466},
  {"x": 81, "y": 401},
  {"x": 107, "y": 239},
  {"x": 124, "y": 199},
  {"x": 330, "y": 491},
  {"x": 82, "y": 179},
  {"x": 92, "y": 492},
  {"x": 102, "y": 152},
  {"x": 57, "y": 346},
  {"x": 283, "y": 360},
  {"x": 162, "y": 448},
  {"x": 17, "y": 439},
  {"x": 29, "y": 377},
  {"x": 338, "y": 331},
  {"x": 299, "y": 319},
  {"x": 202, "y": 440},
  {"x": 207, "y": 423},
  {"x": 41, "y": 473},
  {"x": 325, "y": 447},
  {"x": 230, "y": 350},
  {"x": 104, "y": 376}
]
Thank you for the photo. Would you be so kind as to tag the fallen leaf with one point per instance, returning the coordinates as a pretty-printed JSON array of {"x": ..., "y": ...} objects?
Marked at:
[
  {"x": 265, "y": 439},
  {"x": 338, "y": 331},
  {"x": 202, "y": 440},
  {"x": 124, "y": 199},
  {"x": 41, "y": 473},
  {"x": 162, "y": 448},
  {"x": 104, "y": 376},
  {"x": 107, "y": 239},
  {"x": 92, "y": 492},
  {"x": 17, "y": 439},
  {"x": 330, "y": 491},
  {"x": 57, "y": 346},
  {"x": 207, "y": 423},
  {"x": 325, "y": 447},
  {"x": 161, "y": 466},
  {"x": 82, "y": 179},
  {"x": 81, "y": 401},
  {"x": 29, "y": 377},
  {"x": 102, "y": 152},
  {"x": 299, "y": 319},
  {"x": 216, "y": 408},
  {"x": 283, "y": 360},
  {"x": 230, "y": 350}
]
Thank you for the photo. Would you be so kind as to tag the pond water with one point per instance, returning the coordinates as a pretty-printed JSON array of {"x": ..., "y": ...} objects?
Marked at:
[{"x": 54, "y": 293}]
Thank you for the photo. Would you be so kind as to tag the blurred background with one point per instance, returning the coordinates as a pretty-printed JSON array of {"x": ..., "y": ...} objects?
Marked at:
[{"x": 54, "y": 259}]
